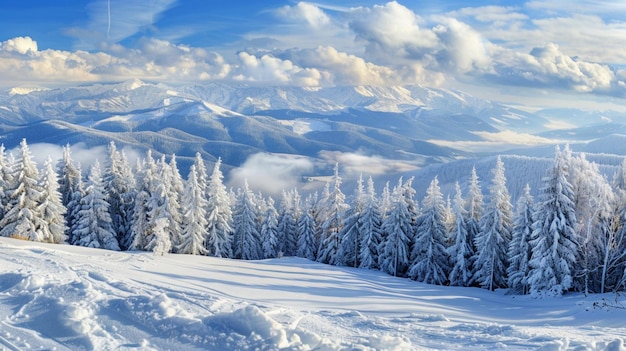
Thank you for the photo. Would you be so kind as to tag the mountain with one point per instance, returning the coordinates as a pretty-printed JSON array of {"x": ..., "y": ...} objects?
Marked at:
[{"x": 414, "y": 125}]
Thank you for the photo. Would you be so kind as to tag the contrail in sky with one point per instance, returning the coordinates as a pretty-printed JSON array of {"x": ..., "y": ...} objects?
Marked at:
[{"x": 109, "y": 16}]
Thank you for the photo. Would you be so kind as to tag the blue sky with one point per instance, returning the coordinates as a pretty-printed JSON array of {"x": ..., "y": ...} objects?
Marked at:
[{"x": 541, "y": 52}]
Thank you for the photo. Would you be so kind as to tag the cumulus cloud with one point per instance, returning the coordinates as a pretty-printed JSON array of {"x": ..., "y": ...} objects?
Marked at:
[
  {"x": 547, "y": 66},
  {"x": 21, "y": 63},
  {"x": 271, "y": 173},
  {"x": 391, "y": 30},
  {"x": 81, "y": 154},
  {"x": 305, "y": 12},
  {"x": 464, "y": 49},
  {"x": 353, "y": 164},
  {"x": 273, "y": 70}
]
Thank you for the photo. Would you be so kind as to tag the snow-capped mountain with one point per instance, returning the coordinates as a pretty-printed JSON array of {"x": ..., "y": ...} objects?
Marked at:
[{"x": 414, "y": 124}]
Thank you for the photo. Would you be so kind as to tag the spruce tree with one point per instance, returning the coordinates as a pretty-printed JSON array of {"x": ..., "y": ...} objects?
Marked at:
[
  {"x": 397, "y": 232},
  {"x": 307, "y": 241},
  {"x": 370, "y": 227},
  {"x": 553, "y": 240},
  {"x": 246, "y": 241},
  {"x": 194, "y": 229},
  {"x": 350, "y": 236},
  {"x": 519, "y": 249},
  {"x": 22, "y": 217},
  {"x": 219, "y": 216},
  {"x": 120, "y": 187},
  {"x": 490, "y": 260},
  {"x": 460, "y": 252},
  {"x": 429, "y": 259},
  {"x": 269, "y": 231},
  {"x": 93, "y": 227},
  {"x": 333, "y": 223},
  {"x": 52, "y": 227}
]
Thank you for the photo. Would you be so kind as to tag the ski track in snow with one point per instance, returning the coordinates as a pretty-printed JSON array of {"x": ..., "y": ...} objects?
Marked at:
[{"x": 70, "y": 298}]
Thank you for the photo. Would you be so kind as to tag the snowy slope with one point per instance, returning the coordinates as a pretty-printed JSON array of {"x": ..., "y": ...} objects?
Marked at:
[{"x": 67, "y": 298}]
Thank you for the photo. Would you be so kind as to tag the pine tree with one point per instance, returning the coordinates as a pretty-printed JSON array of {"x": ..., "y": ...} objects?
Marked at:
[
  {"x": 269, "y": 231},
  {"x": 6, "y": 179},
  {"x": 246, "y": 242},
  {"x": 553, "y": 240},
  {"x": 220, "y": 218},
  {"x": 350, "y": 236},
  {"x": 429, "y": 259},
  {"x": 52, "y": 227},
  {"x": 147, "y": 178},
  {"x": 460, "y": 252},
  {"x": 331, "y": 227},
  {"x": 490, "y": 261},
  {"x": 397, "y": 232},
  {"x": 474, "y": 212},
  {"x": 174, "y": 187},
  {"x": 194, "y": 229},
  {"x": 120, "y": 188},
  {"x": 289, "y": 223},
  {"x": 307, "y": 240},
  {"x": 519, "y": 249},
  {"x": 93, "y": 226},
  {"x": 370, "y": 227},
  {"x": 22, "y": 217},
  {"x": 71, "y": 189}
]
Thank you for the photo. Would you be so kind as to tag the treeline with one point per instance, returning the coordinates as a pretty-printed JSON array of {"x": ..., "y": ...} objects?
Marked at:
[{"x": 573, "y": 238}]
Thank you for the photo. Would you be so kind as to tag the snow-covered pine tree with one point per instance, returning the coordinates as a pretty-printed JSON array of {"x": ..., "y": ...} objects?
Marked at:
[
  {"x": 474, "y": 205},
  {"x": 397, "y": 232},
  {"x": 121, "y": 190},
  {"x": 174, "y": 188},
  {"x": 331, "y": 227},
  {"x": 307, "y": 237},
  {"x": 385, "y": 201},
  {"x": 429, "y": 259},
  {"x": 593, "y": 198},
  {"x": 160, "y": 213},
  {"x": 71, "y": 189},
  {"x": 52, "y": 227},
  {"x": 220, "y": 216},
  {"x": 22, "y": 217},
  {"x": 93, "y": 226},
  {"x": 246, "y": 242},
  {"x": 369, "y": 225},
  {"x": 147, "y": 178},
  {"x": 6, "y": 178},
  {"x": 162, "y": 243},
  {"x": 519, "y": 249},
  {"x": 350, "y": 236},
  {"x": 194, "y": 228},
  {"x": 553, "y": 241},
  {"x": 460, "y": 252},
  {"x": 269, "y": 231},
  {"x": 490, "y": 261},
  {"x": 289, "y": 223}
]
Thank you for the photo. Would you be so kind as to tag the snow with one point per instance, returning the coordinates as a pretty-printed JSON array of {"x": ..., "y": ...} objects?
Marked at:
[{"x": 65, "y": 297}]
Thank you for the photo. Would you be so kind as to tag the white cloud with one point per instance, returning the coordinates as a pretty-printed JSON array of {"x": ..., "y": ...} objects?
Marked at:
[
  {"x": 80, "y": 153},
  {"x": 271, "y": 173},
  {"x": 309, "y": 13},
  {"x": 353, "y": 164},
  {"x": 20, "y": 45},
  {"x": 271, "y": 70},
  {"x": 464, "y": 50},
  {"x": 500, "y": 140}
]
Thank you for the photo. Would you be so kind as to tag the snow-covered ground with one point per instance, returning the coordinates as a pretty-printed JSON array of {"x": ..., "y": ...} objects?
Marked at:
[{"x": 64, "y": 297}]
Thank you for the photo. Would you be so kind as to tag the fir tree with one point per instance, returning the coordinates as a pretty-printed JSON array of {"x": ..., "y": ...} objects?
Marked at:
[
  {"x": 333, "y": 223},
  {"x": 307, "y": 243},
  {"x": 350, "y": 237},
  {"x": 219, "y": 216},
  {"x": 370, "y": 227},
  {"x": 429, "y": 259},
  {"x": 519, "y": 250},
  {"x": 246, "y": 242},
  {"x": 22, "y": 217},
  {"x": 269, "y": 231},
  {"x": 120, "y": 188},
  {"x": 553, "y": 240},
  {"x": 490, "y": 260},
  {"x": 6, "y": 180},
  {"x": 147, "y": 177},
  {"x": 52, "y": 227},
  {"x": 194, "y": 229},
  {"x": 93, "y": 226},
  {"x": 460, "y": 252},
  {"x": 397, "y": 231}
]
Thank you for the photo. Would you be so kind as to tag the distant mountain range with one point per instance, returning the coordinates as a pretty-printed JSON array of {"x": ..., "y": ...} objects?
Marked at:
[{"x": 233, "y": 122}]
